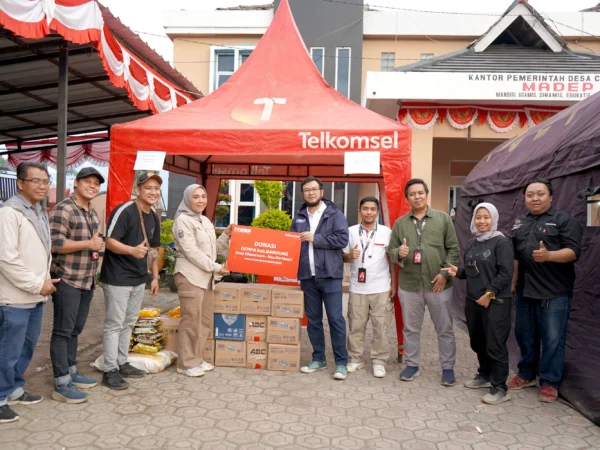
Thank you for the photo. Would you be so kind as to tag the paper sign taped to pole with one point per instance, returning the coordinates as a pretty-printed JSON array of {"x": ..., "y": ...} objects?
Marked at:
[
  {"x": 362, "y": 162},
  {"x": 149, "y": 160}
]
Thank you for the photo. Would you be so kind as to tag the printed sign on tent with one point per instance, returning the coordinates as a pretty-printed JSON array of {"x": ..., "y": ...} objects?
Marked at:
[
  {"x": 362, "y": 162},
  {"x": 264, "y": 252},
  {"x": 149, "y": 160}
]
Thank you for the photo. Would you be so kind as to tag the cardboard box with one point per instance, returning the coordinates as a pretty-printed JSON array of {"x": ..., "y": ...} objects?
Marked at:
[
  {"x": 230, "y": 354},
  {"x": 283, "y": 357},
  {"x": 227, "y": 298},
  {"x": 283, "y": 330},
  {"x": 256, "y": 328},
  {"x": 170, "y": 325},
  {"x": 256, "y": 355},
  {"x": 208, "y": 352},
  {"x": 230, "y": 327},
  {"x": 256, "y": 299},
  {"x": 287, "y": 301}
]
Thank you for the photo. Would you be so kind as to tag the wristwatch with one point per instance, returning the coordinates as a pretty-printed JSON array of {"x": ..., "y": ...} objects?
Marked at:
[
  {"x": 156, "y": 277},
  {"x": 491, "y": 295}
]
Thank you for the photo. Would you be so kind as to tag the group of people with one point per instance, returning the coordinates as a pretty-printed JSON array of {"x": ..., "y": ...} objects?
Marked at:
[
  {"x": 534, "y": 266},
  {"x": 57, "y": 256}
]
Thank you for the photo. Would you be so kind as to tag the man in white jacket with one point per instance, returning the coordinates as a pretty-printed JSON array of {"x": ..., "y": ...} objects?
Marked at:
[{"x": 25, "y": 279}]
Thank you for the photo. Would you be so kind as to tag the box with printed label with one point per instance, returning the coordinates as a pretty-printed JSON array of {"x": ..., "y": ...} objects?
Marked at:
[
  {"x": 283, "y": 330},
  {"x": 170, "y": 326},
  {"x": 256, "y": 355},
  {"x": 208, "y": 352},
  {"x": 230, "y": 327},
  {"x": 287, "y": 301},
  {"x": 256, "y": 328},
  {"x": 256, "y": 299},
  {"x": 283, "y": 357},
  {"x": 230, "y": 354},
  {"x": 227, "y": 298}
]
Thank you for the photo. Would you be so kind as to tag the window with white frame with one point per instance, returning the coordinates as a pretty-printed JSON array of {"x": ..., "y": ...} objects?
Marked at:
[
  {"x": 246, "y": 208},
  {"x": 388, "y": 61},
  {"x": 224, "y": 62},
  {"x": 318, "y": 56},
  {"x": 342, "y": 70},
  {"x": 426, "y": 55},
  {"x": 453, "y": 198}
]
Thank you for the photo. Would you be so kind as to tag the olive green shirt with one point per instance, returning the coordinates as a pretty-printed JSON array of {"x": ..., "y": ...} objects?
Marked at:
[{"x": 439, "y": 244}]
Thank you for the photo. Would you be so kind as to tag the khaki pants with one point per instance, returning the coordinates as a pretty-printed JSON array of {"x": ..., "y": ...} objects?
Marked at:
[
  {"x": 196, "y": 310},
  {"x": 360, "y": 308}
]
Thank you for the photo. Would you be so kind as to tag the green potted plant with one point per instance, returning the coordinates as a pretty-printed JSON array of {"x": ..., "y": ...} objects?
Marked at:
[
  {"x": 170, "y": 260},
  {"x": 169, "y": 255}
]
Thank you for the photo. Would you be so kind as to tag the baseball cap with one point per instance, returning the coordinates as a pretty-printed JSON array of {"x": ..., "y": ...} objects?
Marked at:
[
  {"x": 147, "y": 176},
  {"x": 89, "y": 172}
]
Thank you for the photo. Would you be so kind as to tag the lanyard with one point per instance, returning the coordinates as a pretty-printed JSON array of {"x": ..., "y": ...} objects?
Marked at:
[
  {"x": 419, "y": 230},
  {"x": 369, "y": 240}
]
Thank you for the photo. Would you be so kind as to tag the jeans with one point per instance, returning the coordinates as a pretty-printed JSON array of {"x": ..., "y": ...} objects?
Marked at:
[
  {"x": 19, "y": 332},
  {"x": 71, "y": 308},
  {"x": 328, "y": 291},
  {"x": 542, "y": 323},
  {"x": 488, "y": 331},
  {"x": 123, "y": 305}
]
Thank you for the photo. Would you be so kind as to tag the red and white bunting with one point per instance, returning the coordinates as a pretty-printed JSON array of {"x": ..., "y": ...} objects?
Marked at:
[{"x": 81, "y": 22}]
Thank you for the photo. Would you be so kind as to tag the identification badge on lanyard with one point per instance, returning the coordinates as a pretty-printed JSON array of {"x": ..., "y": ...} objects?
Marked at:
[
  {"x": 95, "y": 256},
  {"x": 418, "y": 256},
  {"x": 362, "y": 275}
]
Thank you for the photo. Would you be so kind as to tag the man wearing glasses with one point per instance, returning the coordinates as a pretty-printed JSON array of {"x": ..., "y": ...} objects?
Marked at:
[
  {"x": 25, "y": 280},
  {"x": 324, "y": 234}
]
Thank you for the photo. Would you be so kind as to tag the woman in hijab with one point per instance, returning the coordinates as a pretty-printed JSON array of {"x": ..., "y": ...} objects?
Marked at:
[
  {"x": 488, "y": 269},
  {"x": 197, "y": 247}
]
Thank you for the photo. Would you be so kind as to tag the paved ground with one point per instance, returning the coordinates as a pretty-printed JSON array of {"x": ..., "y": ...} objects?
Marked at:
[{"x": 244, "y": 409}]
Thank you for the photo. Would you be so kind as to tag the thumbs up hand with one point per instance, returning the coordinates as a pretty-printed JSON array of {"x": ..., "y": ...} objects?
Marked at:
[
  {"x": 403, "y": 250},
  {"x": 140, "y": 251},
  {"x": 542, "y": 254},
  {"x": 355, "y": 252},
  {"x": 96, "y": 242}
]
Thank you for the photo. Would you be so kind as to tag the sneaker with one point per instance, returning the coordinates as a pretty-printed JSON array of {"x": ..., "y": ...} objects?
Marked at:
[
  {"x": 519, "y": 383},
  {"x": 495, "y": 396},
  {"x": 353, "y": 367},
  {"x": 478, "y": 382},
  {"x": 378, "y": 370},
  {"x": 340, "y": 372},
  {"x": 68, "y": 393},
  {"x": 207, "y": 367},
  {"x": 193, "y": 372},
  {"x": 313, "y": 366},
  {"x": 448, "y": 377},
  {"x": 128, "y": 371},
  {"x": 409, "y": 373},
  {"x": 83, "y": 382},
  {"x": 26, "y": 399},
  {"x": 7, "y": 415},
  {"x": 114, "y": 380},
  {"x": 548, "y": 394}
]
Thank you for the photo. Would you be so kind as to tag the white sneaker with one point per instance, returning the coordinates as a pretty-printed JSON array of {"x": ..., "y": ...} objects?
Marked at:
[
  {"x": 353, "y": 367},
  {"x": 193, "y": 372},
  {"x": 207, "y": 367},
  {"x": 378, "y": 371}
]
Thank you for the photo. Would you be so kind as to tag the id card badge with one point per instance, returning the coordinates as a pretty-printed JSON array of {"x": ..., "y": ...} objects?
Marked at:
[
  {"x": 362, "y": 275},
  {"x": 418, "y": 256},
  {"x": 95, "y": 256}
]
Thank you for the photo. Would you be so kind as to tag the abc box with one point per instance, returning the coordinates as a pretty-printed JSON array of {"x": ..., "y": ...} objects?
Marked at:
[
  {"x": 256, "y": 328},
  {"x": 208, "y": 352},
  {"x": 227, "y": 298},
  {"x": 256, "y": 355},
  {"x": 283, "y": 330},
  {"x": 284, "y": 357},
  {"x": 287, "y": 301},
  {"x": 256, "y": 299},
  {"x": 230, "y": 354},
  {"x": 170, "y": 326},
  {"x": 230, "y": 327}
]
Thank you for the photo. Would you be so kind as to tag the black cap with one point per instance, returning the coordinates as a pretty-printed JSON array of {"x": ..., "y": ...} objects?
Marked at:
[
  {"x": 89, "y": 172},
  {"x": 147, "y": 176}
]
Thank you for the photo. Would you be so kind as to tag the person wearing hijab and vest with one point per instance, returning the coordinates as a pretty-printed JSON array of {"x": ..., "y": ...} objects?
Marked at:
[
  {"x": 488, "y": 269},
  {"x": 197, "y": 247}
]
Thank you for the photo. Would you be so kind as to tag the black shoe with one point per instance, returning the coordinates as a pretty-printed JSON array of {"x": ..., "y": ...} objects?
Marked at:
[
  {"x": 7, "y": 415},
  {"x": 128, "y": 371},
  {"x": 114, "y": 380},
  {"x": 26, "y": 399}
]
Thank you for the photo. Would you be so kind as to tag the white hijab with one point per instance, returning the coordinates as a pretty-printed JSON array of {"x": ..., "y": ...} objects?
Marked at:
[{"x": 481, "y": 237}]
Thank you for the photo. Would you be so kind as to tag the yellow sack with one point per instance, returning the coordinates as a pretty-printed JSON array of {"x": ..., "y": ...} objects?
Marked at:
[{"x": 149, "y": 313}]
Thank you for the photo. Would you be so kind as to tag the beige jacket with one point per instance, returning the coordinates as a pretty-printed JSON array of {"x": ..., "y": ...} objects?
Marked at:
[
  {"x": 197, "y": 247},
  {"x": 24, "y": 260}
]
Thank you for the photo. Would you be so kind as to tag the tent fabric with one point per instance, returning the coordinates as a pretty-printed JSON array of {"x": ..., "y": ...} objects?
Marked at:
[
  {"x": 566, "y": 150},
  {"x": 81, "y": 22},
  {"x": 275, "y": 106}
]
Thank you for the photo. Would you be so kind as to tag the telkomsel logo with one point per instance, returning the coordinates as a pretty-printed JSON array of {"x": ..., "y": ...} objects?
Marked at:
[{"x": 326, "y": 140}]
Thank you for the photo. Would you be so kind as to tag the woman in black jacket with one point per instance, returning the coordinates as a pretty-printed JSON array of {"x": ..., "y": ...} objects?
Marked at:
[{"x": 488, "y": 269}]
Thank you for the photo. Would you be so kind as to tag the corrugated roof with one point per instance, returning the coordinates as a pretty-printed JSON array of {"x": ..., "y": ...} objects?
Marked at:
[
  {"x": 509, "y": 58},
  {"x": 266, "y": 7}
]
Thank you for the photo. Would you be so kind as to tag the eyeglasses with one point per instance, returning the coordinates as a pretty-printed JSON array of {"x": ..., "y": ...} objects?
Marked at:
[
  {"x": 38, "y": 181},
  {"x": 311, "y": 190}
]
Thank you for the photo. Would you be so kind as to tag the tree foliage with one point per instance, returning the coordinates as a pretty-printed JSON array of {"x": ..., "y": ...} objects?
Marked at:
[
  {"x": 270, "y": 192},
  {"x": 273, "y": 219}
]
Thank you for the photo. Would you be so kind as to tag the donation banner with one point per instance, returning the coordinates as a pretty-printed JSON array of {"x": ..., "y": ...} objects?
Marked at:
[{"x": 260, "y": 251}]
